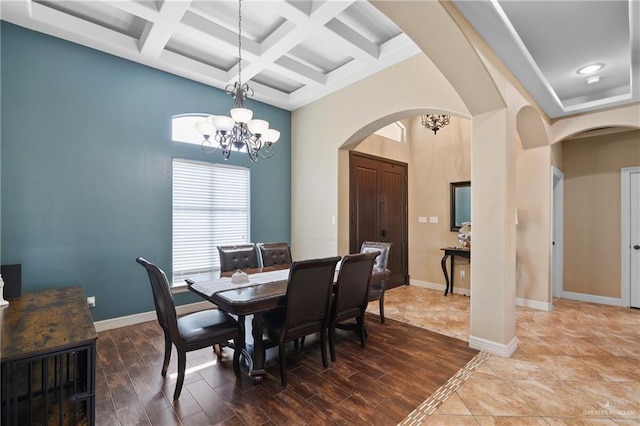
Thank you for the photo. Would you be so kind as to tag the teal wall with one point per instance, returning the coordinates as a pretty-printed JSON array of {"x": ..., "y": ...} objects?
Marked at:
[{"x": 86, "y": 168}]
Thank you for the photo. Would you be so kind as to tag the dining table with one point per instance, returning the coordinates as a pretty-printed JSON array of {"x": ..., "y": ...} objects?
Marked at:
[{"x": 266, "y": 290}]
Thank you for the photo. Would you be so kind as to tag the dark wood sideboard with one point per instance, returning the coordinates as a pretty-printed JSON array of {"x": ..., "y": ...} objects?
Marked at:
[{"x": 48, "y": 359}]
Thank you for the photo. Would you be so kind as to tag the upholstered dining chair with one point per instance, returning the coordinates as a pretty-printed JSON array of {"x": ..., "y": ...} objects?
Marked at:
[
  {"x": 189, "y": 332},
  {"x": 275, "y": 254},
  {"x": 350, "y": 296},
  {"x": 377, "y": 289},
  {"x": 306, "y": 308},
  {"x": 239, "y": 256}
]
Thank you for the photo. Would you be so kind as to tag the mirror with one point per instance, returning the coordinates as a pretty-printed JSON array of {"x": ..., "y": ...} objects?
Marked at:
[{"x": 460, "y": 204}]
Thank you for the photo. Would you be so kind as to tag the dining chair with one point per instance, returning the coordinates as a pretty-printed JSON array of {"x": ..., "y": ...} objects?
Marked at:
[
  {"x": 306, "y": 308},
  {"x": 350, "y": 296},
  {"x": 238, "y": 256},
  {"x": 189, "y": 332},
  {"x": 275, "y": 254},
  {"x": 377, "y": 289}
]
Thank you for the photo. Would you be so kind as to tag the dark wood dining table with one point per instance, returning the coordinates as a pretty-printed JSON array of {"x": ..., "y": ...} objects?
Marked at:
[{"x": 255, "y": 300}]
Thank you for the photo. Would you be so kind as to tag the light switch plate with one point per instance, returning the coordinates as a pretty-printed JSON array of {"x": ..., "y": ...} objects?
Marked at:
[
  {"x": 422, "y": 219},
  {"x": 433, "y": 219}
]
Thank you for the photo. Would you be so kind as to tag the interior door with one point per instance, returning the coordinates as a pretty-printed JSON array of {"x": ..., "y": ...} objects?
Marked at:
[{"x": 378, "y": 208}]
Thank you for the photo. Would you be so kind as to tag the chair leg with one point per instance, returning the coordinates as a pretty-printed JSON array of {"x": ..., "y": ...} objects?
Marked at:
[
  {"x": 182, "y": 363},
  {"x": 332, "y": 343},
  {"x": 217, "y": 349},
  {"x": 167, "y": 354},
  {"x": 323, "y": 347},
  {"x": 282, "y": 359},
  {"x": 238, "y": 344},
  {"x": 361, "y": 330},
  {"x": 382, "y": 307}
]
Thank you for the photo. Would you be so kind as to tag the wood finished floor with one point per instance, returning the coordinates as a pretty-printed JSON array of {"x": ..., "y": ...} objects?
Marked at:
[{"x": 401, "y": 366}]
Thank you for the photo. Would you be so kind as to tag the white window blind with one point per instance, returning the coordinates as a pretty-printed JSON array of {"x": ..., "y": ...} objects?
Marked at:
[{"x": 210, "y": 208}]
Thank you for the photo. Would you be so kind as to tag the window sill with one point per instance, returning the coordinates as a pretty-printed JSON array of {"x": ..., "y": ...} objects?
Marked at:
[{"x": 179, "y": 288}]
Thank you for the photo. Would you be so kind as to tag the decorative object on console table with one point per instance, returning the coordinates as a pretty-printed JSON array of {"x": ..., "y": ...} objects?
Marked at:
[{"x": 464, "y": 235}]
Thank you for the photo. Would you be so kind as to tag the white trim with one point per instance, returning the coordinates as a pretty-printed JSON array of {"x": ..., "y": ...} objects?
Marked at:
[
  {"x": 592, "y": 298},
  {"x": 440, "y": 287},
  {"x": 494, "y": 348},
  {"x": 625, "y": 230},
  {"x": 534, "y": 304},
  {"x": 556, "y": 265},
  {"x": 124, "y": 321}
]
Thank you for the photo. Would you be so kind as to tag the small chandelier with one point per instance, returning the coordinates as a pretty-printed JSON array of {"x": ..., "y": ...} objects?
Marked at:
[
  {"x": 435, "y": 122},
  {"x": 239, "y": 131}
]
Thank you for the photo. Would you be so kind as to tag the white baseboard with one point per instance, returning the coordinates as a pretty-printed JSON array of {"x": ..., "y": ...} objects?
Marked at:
[
  {"x": 439, "y": 287},
  {"x": 592, "y": 298},
  {"x": 534, "y": 304},
  {"x": 118, "y": 322},
  {"x": 494, "y": 348}
]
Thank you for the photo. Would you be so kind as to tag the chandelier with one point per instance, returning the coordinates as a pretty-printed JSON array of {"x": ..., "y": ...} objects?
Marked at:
[
  {"x": 435, "y": 122},
  {"x": 240, "y": 130}
]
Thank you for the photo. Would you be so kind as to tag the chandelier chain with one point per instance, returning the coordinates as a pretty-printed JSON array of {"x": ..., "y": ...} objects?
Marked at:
[{"x": 240, "y": 42}]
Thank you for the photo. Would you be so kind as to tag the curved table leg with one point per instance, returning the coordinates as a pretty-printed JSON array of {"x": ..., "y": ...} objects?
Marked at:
[{"x": 443, "y": 263}]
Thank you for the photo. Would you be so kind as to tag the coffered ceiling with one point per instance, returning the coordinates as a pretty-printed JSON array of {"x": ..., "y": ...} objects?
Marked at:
[{"x": 297, "y": 51}]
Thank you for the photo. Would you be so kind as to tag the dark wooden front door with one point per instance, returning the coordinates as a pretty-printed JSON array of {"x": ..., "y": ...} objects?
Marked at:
[{"x": 378, "y": 209}]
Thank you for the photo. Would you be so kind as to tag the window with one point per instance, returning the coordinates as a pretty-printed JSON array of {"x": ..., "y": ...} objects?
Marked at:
[
  {"x": 394, "y": 131},
  {"x": 210, "y": 208}
]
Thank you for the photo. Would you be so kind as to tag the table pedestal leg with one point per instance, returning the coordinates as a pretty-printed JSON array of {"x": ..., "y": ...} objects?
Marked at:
[{"x": 257, "y": 371}]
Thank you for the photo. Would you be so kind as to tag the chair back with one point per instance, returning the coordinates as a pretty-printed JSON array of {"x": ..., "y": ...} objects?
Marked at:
[
  {"x": 352, "y": 290},
  {"x": 275, "y": 254},
  {"x": 383, "y": 259},
  {"x": 162, "y": 298},
  {"x": 308, "y": 295},
  {"x": 240, "y": 256}
]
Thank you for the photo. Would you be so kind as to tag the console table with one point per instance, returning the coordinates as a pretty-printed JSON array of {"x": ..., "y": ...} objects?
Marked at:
[
  {"x": 452, "y": 252},
  {"x": 48, "y": 359}
]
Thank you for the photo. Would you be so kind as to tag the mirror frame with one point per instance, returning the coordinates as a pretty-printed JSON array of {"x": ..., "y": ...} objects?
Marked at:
[{"x": 453, "y": 187}]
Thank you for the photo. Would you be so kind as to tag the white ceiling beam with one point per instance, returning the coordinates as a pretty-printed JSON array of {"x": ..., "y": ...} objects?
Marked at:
[
  {"x": 156, "y": 34},
  {"x": 62, "y": 25},
  {"x": 315, "y": 25},
  {"x": 141, "y": 10},
  {"x": 310, "y": 75},
  {"x": 353, "y": 37},
  {"x": 208, "y": 33}
]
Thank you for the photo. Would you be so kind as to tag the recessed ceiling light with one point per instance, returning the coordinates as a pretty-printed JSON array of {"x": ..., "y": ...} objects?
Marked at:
[
  {"x": 594, "y": 79},
  {"x": 590, "y": 69}
]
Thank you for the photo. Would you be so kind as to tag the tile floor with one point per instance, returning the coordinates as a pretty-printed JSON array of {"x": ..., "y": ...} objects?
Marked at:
[{"x": 579, "y": 364}]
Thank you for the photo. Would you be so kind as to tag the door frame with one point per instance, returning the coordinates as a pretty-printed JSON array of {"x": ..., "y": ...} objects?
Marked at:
[
  {"x": 625, "y": 225},
  {"x": 557, "y": 234}
]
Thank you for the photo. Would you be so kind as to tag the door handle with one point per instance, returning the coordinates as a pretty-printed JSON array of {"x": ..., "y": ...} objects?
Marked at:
[
  {"x": 383, "y": 233},
  {"x": 637, "y": 247}
]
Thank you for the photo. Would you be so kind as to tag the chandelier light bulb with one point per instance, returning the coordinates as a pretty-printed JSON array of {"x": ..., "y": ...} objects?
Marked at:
[
  {"x": 223, "y": 123},
  {"x": 257, "y": 127},
  {"x": 241, "y": 115},
  {"x": 271, "y": 135}
]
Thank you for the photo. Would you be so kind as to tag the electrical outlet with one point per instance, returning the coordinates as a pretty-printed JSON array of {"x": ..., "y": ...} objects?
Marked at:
[
  {"x": 91, "y": 301},
  {"x": 462, "y": 274}
]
